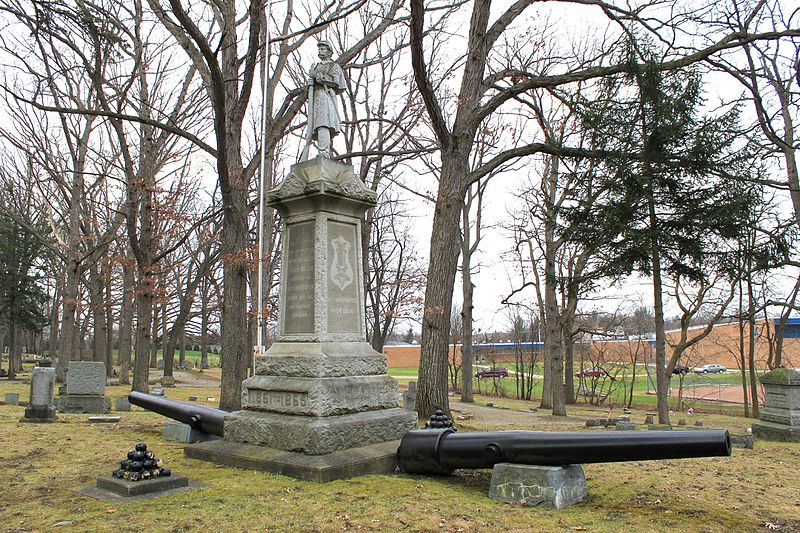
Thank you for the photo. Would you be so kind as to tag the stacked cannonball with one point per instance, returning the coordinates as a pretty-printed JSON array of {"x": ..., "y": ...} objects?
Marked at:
[
  {"x": 140, "y": 464},
  {"x": 439, "y": 420}
]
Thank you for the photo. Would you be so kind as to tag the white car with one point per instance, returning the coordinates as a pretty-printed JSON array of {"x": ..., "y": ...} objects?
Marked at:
[{"x": 713, "y": 368}]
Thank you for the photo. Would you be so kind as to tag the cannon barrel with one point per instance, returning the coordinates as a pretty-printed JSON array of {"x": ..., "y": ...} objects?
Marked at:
[
  {"x": 200, "y": 417},
  {"x": 430, "y": 451}
]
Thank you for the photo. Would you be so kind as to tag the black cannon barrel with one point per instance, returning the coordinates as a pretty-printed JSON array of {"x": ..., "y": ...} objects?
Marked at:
[
  {"x": 200, "y": 417},
  {"x": 430, "y": 451}
]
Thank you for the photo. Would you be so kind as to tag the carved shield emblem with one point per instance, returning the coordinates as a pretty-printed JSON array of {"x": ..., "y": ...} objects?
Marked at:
[{"x": 341, "y": 268}]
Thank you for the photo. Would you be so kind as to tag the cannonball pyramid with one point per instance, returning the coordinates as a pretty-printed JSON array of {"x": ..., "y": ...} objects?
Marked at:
[
  {"x": 439, "y": 420},
  {"x": 140, "y": 464}
]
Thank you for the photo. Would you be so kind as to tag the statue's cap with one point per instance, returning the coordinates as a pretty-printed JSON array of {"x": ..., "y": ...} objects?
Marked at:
[{"x": 325, "y": 44}]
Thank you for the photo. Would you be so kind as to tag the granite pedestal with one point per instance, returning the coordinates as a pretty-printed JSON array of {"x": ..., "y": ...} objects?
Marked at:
[
  {"x": 779, "y": 419},
  {"x": 320, "y": 405}
]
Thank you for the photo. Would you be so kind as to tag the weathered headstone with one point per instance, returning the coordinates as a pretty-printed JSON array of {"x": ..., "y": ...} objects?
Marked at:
[
  {"x": 626, "y": 425},
  {"x": 548, "y": 486},
  {"x": 41, "y": 406},
  {"x": 157, "y": 391},
  {"x": 321, "y": 395},
  {"x": 12, "y": 398},
  {"x": 85, "y": 389},
  {"x": 410, "y": 397},
  {"x": 780, "y": 417}
]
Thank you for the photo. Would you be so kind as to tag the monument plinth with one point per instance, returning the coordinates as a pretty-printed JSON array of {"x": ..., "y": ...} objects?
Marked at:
[
  {"x": 779, "y": 419},
  {"x": 320, "y": 389}
]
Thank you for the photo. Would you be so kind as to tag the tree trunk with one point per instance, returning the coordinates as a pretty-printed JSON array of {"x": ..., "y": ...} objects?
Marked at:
[
  {"x": 126, "y": 324},
  {"x": 442, "y": 267},
  {"x": 182, "y": 356},
  {"x": 569, "y": 361},
  {"x": 467, "y": 290},
  {"x": 52, "y": 344},
  {"x": 109, "y": 324},
  {"x": 204, "y": 327},
  {"x": 98, "y": 316},
  {"x": 235, "y": 354},
  {"x": 144, "y": 323},
  {"x": 12, "y": 348},
  {"x": 662, "y": 380},
  {"x": 751, "y": 347}
]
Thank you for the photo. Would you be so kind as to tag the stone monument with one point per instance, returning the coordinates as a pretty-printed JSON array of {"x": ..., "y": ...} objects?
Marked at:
[
  {"x": 41, "y": 407},
  {"x": 780, "y": 418},
  {"x": 85, "y": 390},
  {"x": 320, "y": 405}
]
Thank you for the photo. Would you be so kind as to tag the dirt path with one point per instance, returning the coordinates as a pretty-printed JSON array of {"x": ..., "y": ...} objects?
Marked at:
[{"x": 719, "y": 393}]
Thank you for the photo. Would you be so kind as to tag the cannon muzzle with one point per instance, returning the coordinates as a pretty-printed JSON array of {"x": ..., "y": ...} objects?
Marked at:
[
  {"x": 199, "y": 417},
  {"x": 430, "y": 451}
]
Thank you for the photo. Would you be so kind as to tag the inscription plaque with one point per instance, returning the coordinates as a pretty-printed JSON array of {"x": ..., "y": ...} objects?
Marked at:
[
  {"x": 343, "y": 269},
  {"x": 266, "y": 399},
  {"x": 299, "y": 305}
]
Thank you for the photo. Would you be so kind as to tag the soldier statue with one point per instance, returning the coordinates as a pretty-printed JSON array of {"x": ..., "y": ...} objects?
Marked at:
[{"x": 325, "y": 83}]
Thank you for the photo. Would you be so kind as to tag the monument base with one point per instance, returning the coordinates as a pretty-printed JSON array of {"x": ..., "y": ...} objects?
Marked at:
[
  {"x": 776, "y": 432},
  {"x": 548, "y": 486},
  {"x": 39, "y": 413},
  {"x": 318, "y": 435},
  {"x": 373, "y": 459},
  {"x": 83, "y": 404}
]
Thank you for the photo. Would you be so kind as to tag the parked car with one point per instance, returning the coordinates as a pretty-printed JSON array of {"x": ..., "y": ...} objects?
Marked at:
[
  {"x": 680, "y": 369},
  {"x": 713, "y": 368},
  {"x": 595, "y": 372},
  {"x": 494, "y": 372}
]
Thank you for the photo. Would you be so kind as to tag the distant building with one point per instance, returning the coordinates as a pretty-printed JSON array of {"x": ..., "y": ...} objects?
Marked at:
[{"x": 720, "y": 346}]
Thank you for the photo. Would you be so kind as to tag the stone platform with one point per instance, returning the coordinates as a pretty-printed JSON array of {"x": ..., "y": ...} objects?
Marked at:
[
  {"x": 121, "y": 491},
  {"x": 374, "y": 459}
]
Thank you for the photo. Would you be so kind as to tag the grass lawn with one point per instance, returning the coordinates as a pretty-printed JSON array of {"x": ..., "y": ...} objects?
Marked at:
[{"x": 745, "y": 492}]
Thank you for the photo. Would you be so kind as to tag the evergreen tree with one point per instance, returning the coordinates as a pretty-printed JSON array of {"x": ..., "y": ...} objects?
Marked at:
[
  {"x": 670, "y": 199},
  {"x": 22, "y": 298}
]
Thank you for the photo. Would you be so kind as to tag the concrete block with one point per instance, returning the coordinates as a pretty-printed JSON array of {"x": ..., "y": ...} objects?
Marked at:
[
  {"x": 122, "y": 404},
  {"x": 548, "y": 486}
]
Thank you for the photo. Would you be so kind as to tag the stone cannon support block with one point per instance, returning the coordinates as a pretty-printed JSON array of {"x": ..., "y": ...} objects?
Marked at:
[
  {"x": 179, "y": 432},
  {"x": 122, "y": 404},
  {"x": 548, "y": 486},
  {"x": 86, "y": 377}
]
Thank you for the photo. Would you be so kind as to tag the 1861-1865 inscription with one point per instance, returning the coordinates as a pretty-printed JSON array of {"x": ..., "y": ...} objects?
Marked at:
[
  {"x": 299, "y": 302},
  {"x": 343, "y": 297}
]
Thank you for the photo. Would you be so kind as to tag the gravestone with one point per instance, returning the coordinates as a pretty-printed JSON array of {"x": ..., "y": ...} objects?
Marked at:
[
  {"x": 41, "y": 406},
  {"x": 321, "y": 405},
  {"x": 547, "y": 486},
  {"x": 85, "y": 389},
  {"x": 410, "y": 397},
  {"x": 779, "y": 419},
  {"x": 12, "y": 398}
]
